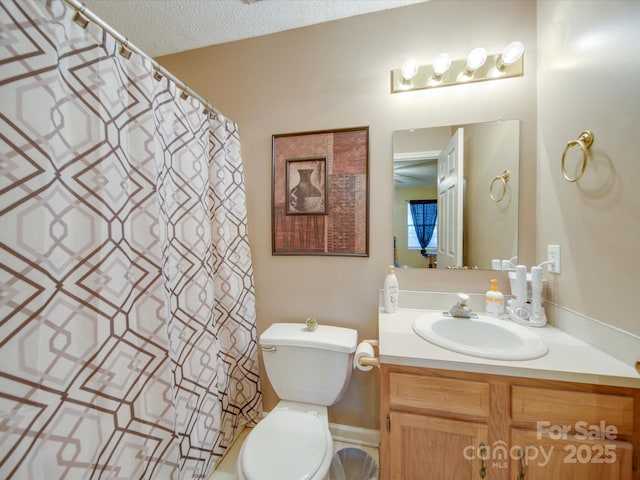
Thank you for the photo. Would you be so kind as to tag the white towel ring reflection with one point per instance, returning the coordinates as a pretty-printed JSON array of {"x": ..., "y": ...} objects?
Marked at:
[
  {"x": 504, "y": 178},
  {"x": 584, "y": 142}
]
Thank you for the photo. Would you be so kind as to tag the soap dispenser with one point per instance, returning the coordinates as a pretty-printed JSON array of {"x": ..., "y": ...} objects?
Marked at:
[
  {"x": 494, "y": 301},
  {"x": 391, "y": 291}
]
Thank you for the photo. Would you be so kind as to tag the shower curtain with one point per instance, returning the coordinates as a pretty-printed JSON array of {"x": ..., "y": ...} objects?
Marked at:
[{"x": 127, "y": 325}]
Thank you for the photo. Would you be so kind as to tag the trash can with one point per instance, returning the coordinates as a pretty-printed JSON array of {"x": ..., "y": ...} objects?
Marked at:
[{"x": 353, "y": 464}]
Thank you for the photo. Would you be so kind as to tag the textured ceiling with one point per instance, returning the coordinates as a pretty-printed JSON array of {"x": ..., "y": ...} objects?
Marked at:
[{"x": 161, "y": 27}]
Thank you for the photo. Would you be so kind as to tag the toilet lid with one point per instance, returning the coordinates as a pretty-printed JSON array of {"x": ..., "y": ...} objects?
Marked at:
[{"x": 285, "y": 445}]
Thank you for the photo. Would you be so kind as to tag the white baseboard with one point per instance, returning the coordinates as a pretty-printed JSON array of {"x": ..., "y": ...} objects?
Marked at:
[{"x": 355, "y": 435}]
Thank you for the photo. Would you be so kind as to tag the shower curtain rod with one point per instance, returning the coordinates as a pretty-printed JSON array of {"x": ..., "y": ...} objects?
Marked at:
[{"x": 89, "y": 15}]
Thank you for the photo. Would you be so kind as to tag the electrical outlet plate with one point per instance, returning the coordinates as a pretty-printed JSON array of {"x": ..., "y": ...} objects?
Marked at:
[{"x": 553, "y": 255}]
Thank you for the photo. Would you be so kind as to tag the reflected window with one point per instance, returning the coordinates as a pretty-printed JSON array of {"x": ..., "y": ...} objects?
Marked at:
[{"x": 422, "y": 225}]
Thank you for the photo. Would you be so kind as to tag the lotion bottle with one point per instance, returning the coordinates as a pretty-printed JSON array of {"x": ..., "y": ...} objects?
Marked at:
[
  {"x": 391, "y": 291},
  {"x": 494, "y": 301}
]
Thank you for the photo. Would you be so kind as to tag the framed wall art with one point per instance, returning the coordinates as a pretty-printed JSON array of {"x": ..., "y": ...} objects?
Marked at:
[{"x": 320, "y": 197}]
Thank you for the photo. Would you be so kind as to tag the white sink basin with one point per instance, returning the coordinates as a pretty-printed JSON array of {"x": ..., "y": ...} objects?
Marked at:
[{"x": 484, "y": 336}]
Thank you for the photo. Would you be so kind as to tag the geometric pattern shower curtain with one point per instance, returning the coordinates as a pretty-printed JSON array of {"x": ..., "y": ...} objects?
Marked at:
[{"x": 127, "y": 313}]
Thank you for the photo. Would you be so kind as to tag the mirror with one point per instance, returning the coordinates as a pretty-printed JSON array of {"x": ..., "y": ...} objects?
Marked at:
[{"x": 467, "y": 210}]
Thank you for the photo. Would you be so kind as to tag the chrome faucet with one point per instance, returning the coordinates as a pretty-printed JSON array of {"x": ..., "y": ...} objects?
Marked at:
[{"x": 461, "y": 308}]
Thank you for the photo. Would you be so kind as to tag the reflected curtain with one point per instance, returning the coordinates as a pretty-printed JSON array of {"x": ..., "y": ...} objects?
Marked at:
[
  {"x": 128, "y": 340},
  {"x": 424, "y": 214}
]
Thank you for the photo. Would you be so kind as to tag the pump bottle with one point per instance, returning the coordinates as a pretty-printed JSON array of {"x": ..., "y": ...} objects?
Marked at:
[
  {"x": 494, "y": 301},
  {"x": 390, "y": 292}
]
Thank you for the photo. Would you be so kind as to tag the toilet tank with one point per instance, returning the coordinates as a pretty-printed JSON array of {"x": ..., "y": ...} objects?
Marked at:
[{"x": 308, "y": 366}]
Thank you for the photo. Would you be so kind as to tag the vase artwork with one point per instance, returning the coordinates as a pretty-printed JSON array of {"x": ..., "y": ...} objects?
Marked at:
[{"x": 307, "y": 196}]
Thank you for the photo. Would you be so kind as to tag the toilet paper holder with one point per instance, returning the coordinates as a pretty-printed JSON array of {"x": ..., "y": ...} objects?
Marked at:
[{"x": 370, "y": 361}]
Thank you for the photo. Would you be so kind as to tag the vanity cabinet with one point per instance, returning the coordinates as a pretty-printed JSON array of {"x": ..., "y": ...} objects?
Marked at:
[
  {"x": 572, "y": 434},
  {"x": 449, "y": 425},
  {"x": 421, "y": 446},
  {"x": 546, "y": 457},
  {"x": 421, "y": 440}
]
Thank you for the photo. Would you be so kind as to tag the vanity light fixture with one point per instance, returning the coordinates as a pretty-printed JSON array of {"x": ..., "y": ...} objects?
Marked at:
[
  {"x": 441, "y": 64},
  {"x": 511, "y": 54},
  {"x": 477, "y": 66},
  {"x": 475, "y": 60},
  {"x": 409, "y": 68}
]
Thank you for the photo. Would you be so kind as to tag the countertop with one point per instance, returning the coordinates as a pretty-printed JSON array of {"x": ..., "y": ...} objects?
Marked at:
[{"x": 568, "y": 359}]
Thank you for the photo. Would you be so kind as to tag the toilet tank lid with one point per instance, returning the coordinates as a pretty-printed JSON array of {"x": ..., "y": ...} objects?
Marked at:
[{"x": 325, "y": 337}]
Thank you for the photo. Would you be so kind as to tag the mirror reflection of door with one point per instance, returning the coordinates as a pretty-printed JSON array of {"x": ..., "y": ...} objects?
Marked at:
[{"x": 450, "y": 201}]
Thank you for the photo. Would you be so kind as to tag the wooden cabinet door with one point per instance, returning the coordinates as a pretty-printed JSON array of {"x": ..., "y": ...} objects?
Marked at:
[
  {"x": 569, "y": 458},
  {"x": 431, "y": 448}
]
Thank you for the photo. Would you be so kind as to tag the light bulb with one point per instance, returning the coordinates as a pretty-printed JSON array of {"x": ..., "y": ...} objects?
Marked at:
[
  {"x": 409, "y": 69},
  {"x": 476, "y": 59},
  {"x": 441, "y": 64},
  {"x": 510, "y": 55}
]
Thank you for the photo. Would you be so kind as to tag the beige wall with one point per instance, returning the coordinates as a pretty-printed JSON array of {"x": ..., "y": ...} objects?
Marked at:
[
  {"x": 589, "y": 54},
  {"x": 421, "y": 139},
  {"x": 336, "y": 75}
]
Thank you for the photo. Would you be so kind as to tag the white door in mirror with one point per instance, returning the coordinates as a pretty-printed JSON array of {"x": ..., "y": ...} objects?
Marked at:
[{"x": 450, "y": 198}]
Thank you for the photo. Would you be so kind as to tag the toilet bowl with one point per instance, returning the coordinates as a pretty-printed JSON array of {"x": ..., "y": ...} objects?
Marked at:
[
  {"x": 292, "y": 442},
  {"x": 309, "y": 370}
]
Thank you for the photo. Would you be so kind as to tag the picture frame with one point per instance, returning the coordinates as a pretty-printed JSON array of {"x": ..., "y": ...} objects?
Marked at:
[{"x": 320, "y": 192}]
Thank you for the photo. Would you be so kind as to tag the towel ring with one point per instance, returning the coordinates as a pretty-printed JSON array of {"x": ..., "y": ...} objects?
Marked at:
[
  {"x": 584, "y": 142},
  {"x": 504, "y": 178}
]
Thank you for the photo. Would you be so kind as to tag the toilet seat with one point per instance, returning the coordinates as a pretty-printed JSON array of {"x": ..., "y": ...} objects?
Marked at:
[{"x": 286, "y": 445}]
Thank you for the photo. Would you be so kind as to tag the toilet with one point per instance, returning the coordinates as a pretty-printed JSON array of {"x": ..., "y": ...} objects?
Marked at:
[{"x": 309, "y": 371}]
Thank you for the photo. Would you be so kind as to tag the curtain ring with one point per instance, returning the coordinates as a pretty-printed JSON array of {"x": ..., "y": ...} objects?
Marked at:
[
  {"x": 79, "y": 17},
  {"x": 584, "y": 142},
  {"x": 504, "y": 178},
  {"x": 125, "y": 51}
]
